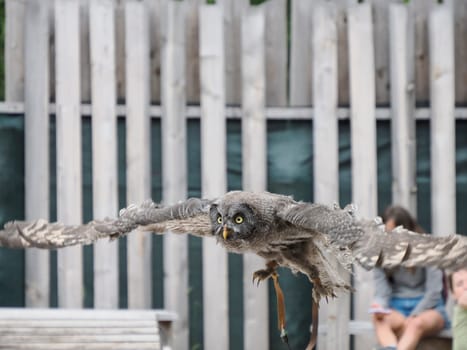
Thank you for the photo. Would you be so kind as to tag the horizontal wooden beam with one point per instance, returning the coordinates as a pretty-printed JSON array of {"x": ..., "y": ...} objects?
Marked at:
[{"x": 235, "y": 112}]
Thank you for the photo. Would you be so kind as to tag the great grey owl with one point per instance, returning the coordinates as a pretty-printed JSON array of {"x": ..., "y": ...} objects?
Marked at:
[{"x": 304, "y": 237}]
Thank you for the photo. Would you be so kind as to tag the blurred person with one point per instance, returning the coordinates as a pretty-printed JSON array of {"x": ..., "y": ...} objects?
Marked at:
[
  {"x": 458, "y": 287},
  {"x": 408, "y": 303}
]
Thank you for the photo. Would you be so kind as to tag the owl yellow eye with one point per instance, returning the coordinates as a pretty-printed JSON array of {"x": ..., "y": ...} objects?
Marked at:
[
  {"x": 238, "y": 219},
  {"x": 219, "y": 219}
]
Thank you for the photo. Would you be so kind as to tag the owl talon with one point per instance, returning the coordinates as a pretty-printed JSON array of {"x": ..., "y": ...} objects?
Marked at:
[{"x": 261, "y": 275}]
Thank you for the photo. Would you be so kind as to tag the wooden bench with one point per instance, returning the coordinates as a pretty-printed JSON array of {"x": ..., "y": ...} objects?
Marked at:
[
  {"x": 441, "y": 341},
  {"x": 87, "y": 329}
]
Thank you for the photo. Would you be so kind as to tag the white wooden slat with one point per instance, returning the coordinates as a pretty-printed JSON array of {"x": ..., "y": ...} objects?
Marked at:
[
  {"x": 254, "y": 166},
  {"x": 79, "y": 346},
  {"x": 213, "y": 182},
  {"x": 84, "y": 314},
  {"x": 104, "y": 144},
  {"x": 174, "y": 163},
  {"x": 14, "y": 50},
  {"x": 300, "y": 53},
  {"x": 62, "y": 331},
  {"x": 363, "y": 142},
  {"x": 336, "y": 312},
  {"x": 403, "y": 143},
  {"x": 276, "y": 52},
  {"x": 68, "y": 120},
  {"x": 443, "y": 163},
  {"x": 77, "y": 338},
  {"x": 37, "y": 144},
  {"x": 138, "y": 148}
]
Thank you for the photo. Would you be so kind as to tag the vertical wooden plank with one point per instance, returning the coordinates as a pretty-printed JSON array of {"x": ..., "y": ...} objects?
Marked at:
[
  {"x": 419, "y": 11},
  {"x": 154, "y": 10},
  {"x": 120, "y": 48},
  {"x": 174, "y": 163},
  {"x": 254, "y": 166},
  {"x": 138, "y": 148},
  {"x": 403, "y": 143},
  {"x": 214, "y": 183},
  {"x": 233, "y": 10},
  {"x": 192, "y": 50},
  {"x": 68, "y": 119},
  {"x": 381, "y": 42},
  {"x": 85, "y": 51},
  {"x": 276, "y": 52},
  {"x": 14, "y": 50},
  {"x": 104, "y": 145},
  {"x": 363, "y": 142},
  {"x": 443, "y": 173},
  {"x": 343, "y": 53},
  {"x": 336, "y": 313},
  {"x": 36, "y": 70},
  {"x": 460, "y": 33},
  {"x": 300, "y": 54}
]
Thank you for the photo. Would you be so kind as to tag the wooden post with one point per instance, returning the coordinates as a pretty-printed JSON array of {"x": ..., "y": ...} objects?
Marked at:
[
  {"x": 104, "y": 144},
  {"x": 443, "y": 165},
  {"x": 69, "y": 170},
  {"x": 138, "y": 148},
  {"x": 335, "y": 313},
  {"x": 36, "y": 75},
  {"x": 214, "y": 173},
  {"x": 300, "y": 54},
  {"x": 363, "y": 138},
  {"x": 174, "y": 164},
  {"x": 254, "y": 165},
  {"x": 404, "y": 186}
]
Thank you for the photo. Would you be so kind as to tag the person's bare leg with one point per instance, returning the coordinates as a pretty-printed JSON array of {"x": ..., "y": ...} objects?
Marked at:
[
  {"x": 426, "y": 323},
  {"x": 387, "y": 327}
]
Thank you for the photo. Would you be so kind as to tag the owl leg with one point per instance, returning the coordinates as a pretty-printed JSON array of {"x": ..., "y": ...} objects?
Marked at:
[{"x": 262, "y": 275}]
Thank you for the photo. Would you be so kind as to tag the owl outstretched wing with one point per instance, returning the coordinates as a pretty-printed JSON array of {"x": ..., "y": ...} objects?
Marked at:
[
  {"x": 190, "y": 216},
  {"x": 370, "y": 244}
]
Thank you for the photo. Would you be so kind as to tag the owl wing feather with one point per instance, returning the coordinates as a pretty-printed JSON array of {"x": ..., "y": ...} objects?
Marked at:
[
  {"x": 190, "y": 216},
  {"x": 368, "y": 241}
]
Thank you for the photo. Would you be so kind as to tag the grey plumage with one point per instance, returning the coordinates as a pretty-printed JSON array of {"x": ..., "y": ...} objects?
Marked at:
[{"x": 304, "y": 237}]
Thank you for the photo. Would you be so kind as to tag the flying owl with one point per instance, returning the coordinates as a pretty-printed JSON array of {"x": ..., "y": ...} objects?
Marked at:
[{"x": 304, "y": 237}]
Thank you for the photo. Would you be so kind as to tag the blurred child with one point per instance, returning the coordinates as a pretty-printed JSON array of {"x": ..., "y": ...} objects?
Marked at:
[{"x": 458, "y": 285}]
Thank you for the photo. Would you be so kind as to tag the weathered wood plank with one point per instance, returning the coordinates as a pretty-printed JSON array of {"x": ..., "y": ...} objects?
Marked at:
[
  {"x": 138, "y": 148},
  {"x": 442, "y": 130},
  {"x": 14, "y": 50},
  {"x": 192, "y": 50},
  {"x": 213, "y": 183},
  {"x": 363, "y": 141},
  {"x": 104, "y": 145},
  {"x": 401, "y": 32},
  {"x": 83, "y": 339},
  {"x": 79, "y": 346},
  {"x": 69, "y": 171},
  {"x": 254, "y": 166},
  {"x": 336, "y": 312},
  {"x": 36, "y": 138},
  {"x": 174, "y": 163},
  {"x": 276, "y": 52},
  {"x": 300, "y": 73},
  {"x": 154, "y": 12},
  {"x": 85, "y": 60},
  {"x": 381, "y": 43},
  {"x": 460, "y": 33},
  {"x": 233, "y": 10}
]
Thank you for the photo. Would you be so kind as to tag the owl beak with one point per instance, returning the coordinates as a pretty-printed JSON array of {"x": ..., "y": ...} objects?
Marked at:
[{"x": 225, "y": 233}]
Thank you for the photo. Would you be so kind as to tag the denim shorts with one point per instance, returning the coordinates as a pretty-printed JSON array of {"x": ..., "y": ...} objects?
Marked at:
[{"x": 406, "y": 305}]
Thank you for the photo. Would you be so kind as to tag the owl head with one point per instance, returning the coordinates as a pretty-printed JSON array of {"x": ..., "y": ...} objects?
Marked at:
[{"x": 232, "y": 221}]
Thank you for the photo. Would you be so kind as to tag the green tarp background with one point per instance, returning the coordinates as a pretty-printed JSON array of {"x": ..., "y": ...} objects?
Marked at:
[{"x": 290, "y": 169}]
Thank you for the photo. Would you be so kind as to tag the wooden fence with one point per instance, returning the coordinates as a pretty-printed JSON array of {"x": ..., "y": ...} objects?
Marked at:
[{"x": 162, "y": 59}]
